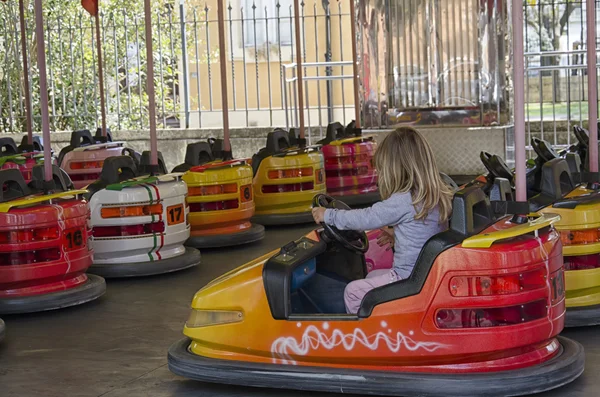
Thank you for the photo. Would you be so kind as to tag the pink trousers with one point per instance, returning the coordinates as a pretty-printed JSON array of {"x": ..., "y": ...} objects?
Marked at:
[{"x": 356, "y": 290}]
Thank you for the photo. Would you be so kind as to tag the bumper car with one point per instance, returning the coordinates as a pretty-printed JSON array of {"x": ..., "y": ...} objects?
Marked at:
[
  {"x": 44, "y": 249},
  {"x": 350, "y": 175},
  {"x": 482, "y": 310},
  {"x": 220, "y": 197},
  {"x": 83, "y": 158},
  {"x": 285, "y": 181},
  {"x": 20, "y": 158},
  {"x": 139, "y": 223},
  {"x": 579, "y": 227}
]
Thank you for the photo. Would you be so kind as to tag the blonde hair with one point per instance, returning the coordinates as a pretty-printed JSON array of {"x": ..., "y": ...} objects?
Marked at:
[{"x": 405, "y": 163}]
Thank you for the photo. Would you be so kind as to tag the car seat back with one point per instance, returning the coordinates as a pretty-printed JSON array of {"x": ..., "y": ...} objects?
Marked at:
[
  {"x": 13, "y": 185},
  {"x": 8, "y": 147},
  {"x": 36, "y": 145},
  {"x": 62, "y": 181},
  {"x": 556, "y": 183},
  {"x": 145, "y": 168}
]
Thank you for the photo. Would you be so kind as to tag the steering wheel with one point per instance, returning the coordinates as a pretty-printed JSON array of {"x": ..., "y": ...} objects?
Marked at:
[
  {"x": 543, "y": 149},
  {"x": 352, "y": 240},
  {"x": 496, "y": 166},
  {"x": 582, "y": 136}
]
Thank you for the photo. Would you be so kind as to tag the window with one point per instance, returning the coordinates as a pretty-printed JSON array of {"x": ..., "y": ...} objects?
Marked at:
[{"x": 267, "y": 22}]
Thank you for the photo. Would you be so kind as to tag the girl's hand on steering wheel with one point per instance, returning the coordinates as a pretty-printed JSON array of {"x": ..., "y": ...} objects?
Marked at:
[
  {"x": 318, "y": 214},
  {"x": 386, "y": 238}
]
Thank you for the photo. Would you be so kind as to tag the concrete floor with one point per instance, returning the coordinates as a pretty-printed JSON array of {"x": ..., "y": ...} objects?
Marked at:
[{"x": 117, "y": 346}]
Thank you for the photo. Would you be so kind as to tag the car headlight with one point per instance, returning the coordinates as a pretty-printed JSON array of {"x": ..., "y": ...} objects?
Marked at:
[{"x": 204, "y": 318}]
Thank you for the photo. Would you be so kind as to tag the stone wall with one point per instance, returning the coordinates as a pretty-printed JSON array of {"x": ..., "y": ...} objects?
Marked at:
[{"x": 456, "y": 148}]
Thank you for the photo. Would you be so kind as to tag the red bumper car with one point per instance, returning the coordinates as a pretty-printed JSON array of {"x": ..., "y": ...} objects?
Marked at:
[
  {"x": 480, "y": 312},
  {"x": 350, "y": 175},
  {"x": 44, "y": 250}
]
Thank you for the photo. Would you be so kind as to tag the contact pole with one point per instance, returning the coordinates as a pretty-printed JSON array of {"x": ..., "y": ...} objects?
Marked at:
[
  {"x": 41, "y": 54},
  {"x": 100, "y": 73},
  {"x": 150, "y": 83},
  {"x": 26, "y": 86},
  {"x": 592, "y": 84},
  {"x": 299, "y": 75},
  {"x": 223, "y": 61},
  {"x": 519, "y": 94},
  {"x": 355, "y": 65}
]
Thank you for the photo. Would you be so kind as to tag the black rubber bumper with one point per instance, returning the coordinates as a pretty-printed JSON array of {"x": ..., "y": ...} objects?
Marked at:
[
  {"x": 2, "y": 330},
  {"x": 560, "y": 370},
  {"x": 584, "y": 316},
  {"x": 283, "y": 219},
  {"x": 92, "y": 289},
  {"x": 190, "y": 258},
  {"x": 254, "y": 233},
  {"x": 360, "y": 199}
]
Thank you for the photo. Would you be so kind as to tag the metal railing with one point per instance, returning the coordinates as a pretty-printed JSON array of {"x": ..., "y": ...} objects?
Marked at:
[
  {"x": 259, "y": 42},
  {"x": 323, "y": 116},
  {"x": 555, "y": 67}
]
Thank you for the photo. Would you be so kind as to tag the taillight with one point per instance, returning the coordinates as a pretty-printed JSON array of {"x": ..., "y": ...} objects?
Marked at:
[
  {"x": 92, "y": 176},
  {"x": 491, "y": 317},
  {"x": 580, "y": 237},
  {"x": 128, "y": 230},
  {"x": 582, "y": 262},
  {"x": 287, "y": 188},
  {"x": 498, "y": 285},
  {"x": 293, "y": 173},
  {"x": 84, "y": 165},
  {"x": 358, "y": 171},
  {"x": 212, "y": 190},
  {"x": 26, "y": 236},
  {"x": 28, "y": 257},
  {"x": 138, "y": 210},
  {"x": 215, "y": 206}
]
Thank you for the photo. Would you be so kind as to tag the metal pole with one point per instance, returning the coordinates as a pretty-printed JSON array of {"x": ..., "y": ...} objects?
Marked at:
[
  {"x": 25, "y": 73},
  {"x": 519, "y": 93},
  {"x": 100, "y": 72},
  {"x": 150, "y": 83},
  {"x": 592, "y": 84},
  {"x": 41, "y": 54},
  {"x": 328, "y": 56},
  {"x": 184, "y": 60},
  {"x": 223, "y": 65},
  {"x": 355, "y": 64},
  {"x": 299, "y": 67}
]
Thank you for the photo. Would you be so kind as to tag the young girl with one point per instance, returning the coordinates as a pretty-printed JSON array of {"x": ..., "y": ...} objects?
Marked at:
[{"x": 416, "y": 203}]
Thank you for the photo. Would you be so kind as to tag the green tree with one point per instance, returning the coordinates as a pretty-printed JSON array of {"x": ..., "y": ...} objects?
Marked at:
[{"x": 72, "y": 64}]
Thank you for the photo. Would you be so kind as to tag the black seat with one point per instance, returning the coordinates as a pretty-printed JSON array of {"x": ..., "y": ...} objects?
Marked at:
[
  {"x": 13, "y": 183},
  {"x": 574, "y": 163},
  {"x": 61, "y": 180},
  {"x": 334, "y": 132},
  {"x": 78, "y": 139},
  {"x": 196, "y": 154},
  {"x": 556, "y": 183},
  {"x": 36, "y": 145},
  {"x": 115, "y": 170},
  {"x": 217, "y": 146},
  {"x": 277, "y": 141},
  {"x": 8, "y": 147},
  {"x": 501, "y": 190},
  {"x": 472, "y": 213},
  {"x": 146, "y": 169},
  {"x": 98, "y": 138}
]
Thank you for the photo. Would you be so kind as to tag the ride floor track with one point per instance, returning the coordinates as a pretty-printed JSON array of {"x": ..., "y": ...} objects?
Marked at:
[{"x": 117, "y": 345}]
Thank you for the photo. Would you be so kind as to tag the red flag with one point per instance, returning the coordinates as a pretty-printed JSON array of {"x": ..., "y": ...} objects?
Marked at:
[{"x": 90, "y": 6}]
